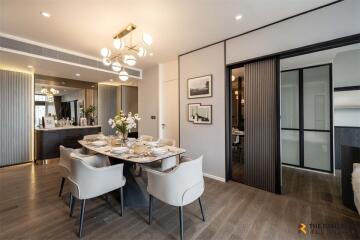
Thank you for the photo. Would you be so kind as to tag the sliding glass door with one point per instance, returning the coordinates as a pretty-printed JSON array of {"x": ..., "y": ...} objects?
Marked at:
[{"x": 306, "y": 117}]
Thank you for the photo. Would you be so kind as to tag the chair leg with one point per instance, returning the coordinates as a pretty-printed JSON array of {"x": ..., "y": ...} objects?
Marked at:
[
  {"x": 122, "y": 201},
  {"x": 72, "y": 204},
  {"x": 202, "y": 210},
  {"x": 150, "y": 208},
  {"x": 82, "y": 213},
  {"x": 181, "y": 218},
  {"x": 61, "y": 186}
]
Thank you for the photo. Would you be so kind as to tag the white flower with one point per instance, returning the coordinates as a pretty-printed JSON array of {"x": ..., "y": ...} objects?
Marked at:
[{"x": 110, "y": 121}]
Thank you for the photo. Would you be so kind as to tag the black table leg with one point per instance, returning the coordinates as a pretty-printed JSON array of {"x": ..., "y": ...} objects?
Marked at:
[{"x": 135, "y": 193}]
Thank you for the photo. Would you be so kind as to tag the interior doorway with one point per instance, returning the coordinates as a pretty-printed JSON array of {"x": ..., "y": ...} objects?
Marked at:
[
  {"x": 237, "y": 124},
  {"x": 306, "y": 116},
  {"x": 319, "y": 114}
]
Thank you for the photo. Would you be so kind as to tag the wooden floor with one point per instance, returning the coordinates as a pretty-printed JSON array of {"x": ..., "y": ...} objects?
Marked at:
[{"x": 31, "y": 209}]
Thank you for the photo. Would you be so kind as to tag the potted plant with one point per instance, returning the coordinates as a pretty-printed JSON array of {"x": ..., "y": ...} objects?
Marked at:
[
  {"x": 89, "y": 113},
  {"x": 123, "y": 123}
]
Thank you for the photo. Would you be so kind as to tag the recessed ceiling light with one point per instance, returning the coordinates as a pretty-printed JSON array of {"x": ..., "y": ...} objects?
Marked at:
[
  {"x": 92, "y": 86},
  {"x": 78, "y": 74},
  {"x": 151, "y": 54},
  {"x": 45, "y": 14},
  {"x": 238, "y": 17},
  {"x": 29, "y": 66}
]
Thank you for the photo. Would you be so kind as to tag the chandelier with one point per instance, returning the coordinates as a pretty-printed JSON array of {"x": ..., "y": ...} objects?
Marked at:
[
  {"x": 49, "y": 93},
  {"x": 126, "y": 51}
]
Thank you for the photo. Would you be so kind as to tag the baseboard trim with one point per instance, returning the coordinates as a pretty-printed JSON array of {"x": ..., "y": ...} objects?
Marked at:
[{"x": 214, "y": 177}]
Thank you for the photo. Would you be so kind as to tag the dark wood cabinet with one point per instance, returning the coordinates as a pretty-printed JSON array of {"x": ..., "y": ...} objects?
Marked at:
[{"x": 47, "y": 142}]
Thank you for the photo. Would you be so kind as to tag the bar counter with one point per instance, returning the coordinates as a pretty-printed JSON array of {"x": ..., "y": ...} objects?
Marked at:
[{"x": 48, "y": 140}]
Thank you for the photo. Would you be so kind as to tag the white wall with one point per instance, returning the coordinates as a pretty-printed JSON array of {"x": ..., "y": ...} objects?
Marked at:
[
  {"x": 197, "y": 139},
  {"x": 347, "y": 117},
  {"x": 335, "y": 21},
  {"x": 148, "y": 92},
  {"x": 169, "y": 100},
  {"x": 347, "y": 69}
]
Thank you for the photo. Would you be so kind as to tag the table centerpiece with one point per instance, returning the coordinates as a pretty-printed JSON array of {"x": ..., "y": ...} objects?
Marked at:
[{"x": 123, "y": 123}]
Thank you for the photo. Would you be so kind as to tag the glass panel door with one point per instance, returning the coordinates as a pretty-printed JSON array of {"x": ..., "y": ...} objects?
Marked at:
[
  {"x": 306, "y": 132},
  {"x": 317, "y": 141},
  {"x": 290, "y": 117}
]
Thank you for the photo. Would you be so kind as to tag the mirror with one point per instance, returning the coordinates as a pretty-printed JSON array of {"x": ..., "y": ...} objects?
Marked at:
[{"x": 62, "y": 99}]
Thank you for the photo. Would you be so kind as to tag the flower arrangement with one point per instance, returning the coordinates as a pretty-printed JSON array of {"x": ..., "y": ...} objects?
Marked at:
[{"x": 123, "y": 123}]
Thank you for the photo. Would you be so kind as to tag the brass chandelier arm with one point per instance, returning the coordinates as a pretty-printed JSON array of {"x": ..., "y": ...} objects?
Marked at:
[
  {"x": 131, "y": 27},
  {"x": 134, "y": 48}
]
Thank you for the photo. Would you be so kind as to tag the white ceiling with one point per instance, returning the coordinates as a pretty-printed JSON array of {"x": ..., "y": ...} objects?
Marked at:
[
  {"x": 18, "y": 62},
  {"x": 177, "y": 26}
]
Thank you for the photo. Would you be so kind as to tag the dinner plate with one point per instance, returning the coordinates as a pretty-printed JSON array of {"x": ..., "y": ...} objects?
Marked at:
[
  {"x": 118, "y": 150},
  {"x": 159, "y": 151},
  {"x": 99, "y": 143}
]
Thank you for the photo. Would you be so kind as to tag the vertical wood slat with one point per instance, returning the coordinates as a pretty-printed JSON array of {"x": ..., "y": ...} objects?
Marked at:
[
  {"x": 261, "y": 133},
  {"x": 107, "y": 107},
  {"x": 15, "y": 117}
]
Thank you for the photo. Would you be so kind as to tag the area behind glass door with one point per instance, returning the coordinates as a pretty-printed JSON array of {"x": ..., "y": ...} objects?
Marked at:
[{"x": 306, "y": 117}]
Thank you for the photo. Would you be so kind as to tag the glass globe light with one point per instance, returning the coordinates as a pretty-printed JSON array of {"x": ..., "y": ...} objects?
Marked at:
[
  {"x": 147, "y": 39},
  {"x": 123, "y": 75},
  {"x": 118, "y": 43},
  {"x": 105, "y": 52},
  {"x": 106, "y": 61},
  {"x": 141, "y": 52},
  {"x": 116, "y": 66},
  {"x": 130, "y": 60}
]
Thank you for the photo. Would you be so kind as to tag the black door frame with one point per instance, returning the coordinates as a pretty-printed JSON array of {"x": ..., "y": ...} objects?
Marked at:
[
  {"x": 228, "y": 118},
  {"x": 334, "y": 43},
  {"x": 301, "y": 128}
]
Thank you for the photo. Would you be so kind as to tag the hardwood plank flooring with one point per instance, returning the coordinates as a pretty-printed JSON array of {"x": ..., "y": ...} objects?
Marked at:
[{"x": 31, "y": 209}]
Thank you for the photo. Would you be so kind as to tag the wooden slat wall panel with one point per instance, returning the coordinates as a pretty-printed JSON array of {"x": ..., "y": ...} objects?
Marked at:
[
  {"x": 107, "y": 107},
  {"x": 16, "y": 91},
  {"x": 261, "y": 133}
]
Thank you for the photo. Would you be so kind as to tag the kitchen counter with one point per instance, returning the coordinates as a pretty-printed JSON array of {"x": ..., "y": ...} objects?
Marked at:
[{"x": 48, "y": 140}]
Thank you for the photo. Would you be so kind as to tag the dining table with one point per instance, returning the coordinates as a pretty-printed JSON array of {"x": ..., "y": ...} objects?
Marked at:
[{"x": 135, "y": 192}]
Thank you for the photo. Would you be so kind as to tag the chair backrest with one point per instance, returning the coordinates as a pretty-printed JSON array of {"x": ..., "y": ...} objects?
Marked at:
[
  {"x": 93, "y": 136},
  {"x": 167, "y": 141},
  {"x": 146, "y": 138},
  {"x": 180, "y": 186},
  {"x": 190, "y": 171},
  {"x": 81, "y": 176},
  {"x": 64, "y": 162}
]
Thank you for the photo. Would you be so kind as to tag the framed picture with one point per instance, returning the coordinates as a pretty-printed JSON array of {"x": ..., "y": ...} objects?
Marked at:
[
  {"x": 192, "y": 111},
  {"x": 200, "y": 87},
  {"x": 49, "y": 122},
  {"x": 203, "y": 114}
]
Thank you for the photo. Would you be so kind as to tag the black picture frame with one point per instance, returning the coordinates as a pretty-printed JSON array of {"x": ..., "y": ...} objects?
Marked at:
[
  {"x": 189, "y": 106},
  {"x": 207, "y": 91}
]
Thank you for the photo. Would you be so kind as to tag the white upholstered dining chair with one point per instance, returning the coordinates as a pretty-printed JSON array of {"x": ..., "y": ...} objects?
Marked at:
[
  {"x": 65, "y": 158},
  {"x": 179, "y": 187},
  {"x": 167, "y": 163},
  {"x": 89, "y": 182},
  {"x": 167, "y": 142},
  {"x": 146, "y": 138}
]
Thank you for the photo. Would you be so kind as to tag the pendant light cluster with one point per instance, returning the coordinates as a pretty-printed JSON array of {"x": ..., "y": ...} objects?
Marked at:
[
  {"x": 125, "y": 51},
  {"x": 49, "y": 93}
]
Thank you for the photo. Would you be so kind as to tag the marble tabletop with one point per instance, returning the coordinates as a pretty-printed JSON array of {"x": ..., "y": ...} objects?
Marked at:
[{"x": 131, "y": 156}]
